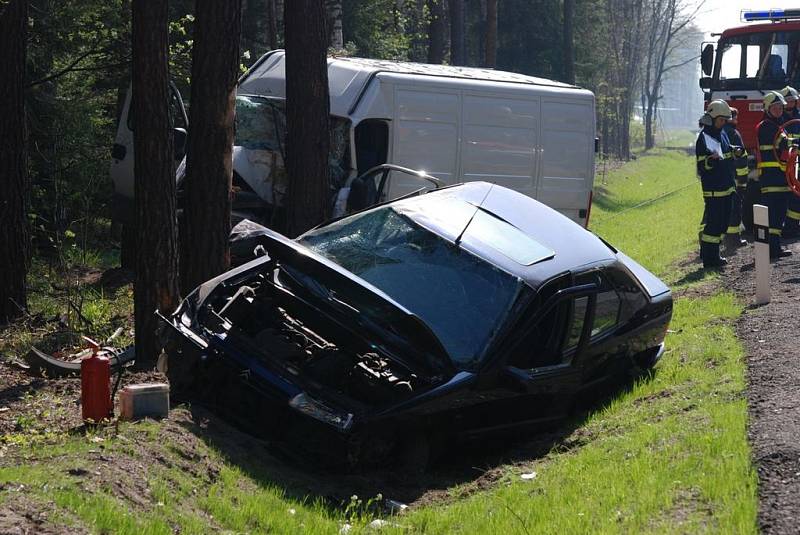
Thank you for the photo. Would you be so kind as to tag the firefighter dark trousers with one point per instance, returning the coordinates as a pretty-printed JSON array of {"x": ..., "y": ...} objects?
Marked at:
[
  {"x": 775, "y": 201},
  {"x": 735, "y": 222},
  {"x": 792, "y": 223},
  {"x": 716, "y": 215}
]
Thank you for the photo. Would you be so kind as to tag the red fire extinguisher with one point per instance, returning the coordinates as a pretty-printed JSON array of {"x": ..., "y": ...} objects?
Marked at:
[{"x": 95, "y": 380}]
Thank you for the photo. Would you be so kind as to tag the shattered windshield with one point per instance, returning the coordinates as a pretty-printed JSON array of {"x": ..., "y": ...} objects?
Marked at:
[{"x": 462, "y": 298}]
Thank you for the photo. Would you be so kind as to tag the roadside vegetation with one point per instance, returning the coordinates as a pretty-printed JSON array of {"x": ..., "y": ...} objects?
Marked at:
[{"x": 668, "y": 454}]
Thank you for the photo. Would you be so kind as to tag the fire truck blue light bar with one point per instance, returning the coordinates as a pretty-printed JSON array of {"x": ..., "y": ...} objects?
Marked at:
[{"x": 770, "y": 14}]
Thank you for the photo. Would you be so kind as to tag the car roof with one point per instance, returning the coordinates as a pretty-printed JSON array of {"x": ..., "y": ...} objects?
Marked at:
[{"x": 569, "y": 245}]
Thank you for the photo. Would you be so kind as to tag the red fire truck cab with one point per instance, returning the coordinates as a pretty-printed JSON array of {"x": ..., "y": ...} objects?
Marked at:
[{"x": 750, "y": 60}]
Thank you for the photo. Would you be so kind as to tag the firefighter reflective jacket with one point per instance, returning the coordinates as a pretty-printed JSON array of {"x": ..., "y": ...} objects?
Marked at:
[
  {"x": 739, "y": 163},
  {"x": 792, "y": 130},
  {"x": 716, "y": 174},
  {"x": 771, "y": 142}
]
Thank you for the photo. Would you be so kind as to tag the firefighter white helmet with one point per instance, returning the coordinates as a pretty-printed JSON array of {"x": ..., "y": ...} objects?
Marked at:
[
  {"x": 790, "y": 93},
  {"x": 718, "y": 108},
  {"x": 773, "y": 97}
]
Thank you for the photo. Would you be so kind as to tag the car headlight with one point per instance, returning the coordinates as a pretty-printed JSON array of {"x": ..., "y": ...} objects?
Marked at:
[{"x": 319, "y": 411}]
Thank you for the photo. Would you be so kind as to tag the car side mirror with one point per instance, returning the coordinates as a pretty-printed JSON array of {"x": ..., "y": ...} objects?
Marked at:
[
  {"x": 179, "y": 137},
  {"x": 705, "y": 82},
  {"x": 707, "y": 59}
]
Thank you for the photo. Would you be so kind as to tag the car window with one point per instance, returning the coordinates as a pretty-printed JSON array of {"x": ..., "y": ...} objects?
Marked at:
[
  {"x": 551, "y": 341},
  {"x": 579, "y": 307},
  {"x": 607, "y": 303},
  {"x": 606, "y": 312}
]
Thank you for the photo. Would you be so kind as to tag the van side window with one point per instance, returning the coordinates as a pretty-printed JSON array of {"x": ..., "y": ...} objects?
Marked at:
[{"x": 372, "y": 144}]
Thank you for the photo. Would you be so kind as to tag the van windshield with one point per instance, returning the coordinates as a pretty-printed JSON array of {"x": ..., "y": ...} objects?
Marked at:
[{"x": 261, "y": 126}]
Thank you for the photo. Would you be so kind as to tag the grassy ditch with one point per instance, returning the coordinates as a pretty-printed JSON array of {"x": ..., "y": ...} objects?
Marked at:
[{"x": 668, "y": 455}]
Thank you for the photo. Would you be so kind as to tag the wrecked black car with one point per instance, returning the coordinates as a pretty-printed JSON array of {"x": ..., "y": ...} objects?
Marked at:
[{"x": 467, "y": 310}]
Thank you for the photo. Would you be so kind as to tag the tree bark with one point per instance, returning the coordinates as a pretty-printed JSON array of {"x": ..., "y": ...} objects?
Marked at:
[
  {"x": 490, "y": 59},
  {"x": 272, "y": 24},
  {"x": 156, "y": 281},
  {"x": 569, "y": 41},
  {"x": 307, "y": 114},
  {"x": 334, "y": 11},
  {"x": 436, "y": 32},
  {"x": 458, "y": 45},
  {"x": 14, "y": 235},
  {"x": 206, "y": 223}
]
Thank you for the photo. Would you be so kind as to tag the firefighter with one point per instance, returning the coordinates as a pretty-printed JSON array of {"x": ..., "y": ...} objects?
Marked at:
[
  {"x": 772, "y": 179},
  {"x": 791, "y": 226},
  {"x": 733, "y": 238},
  {"x": 713, "y": 152}
]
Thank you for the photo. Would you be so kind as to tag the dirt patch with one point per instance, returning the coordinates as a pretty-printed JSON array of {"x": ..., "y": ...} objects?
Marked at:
[
  {"x": 770, "y": 336},
  {"x": 22, "y": 516},
  {"x": 36, "y": 405}
]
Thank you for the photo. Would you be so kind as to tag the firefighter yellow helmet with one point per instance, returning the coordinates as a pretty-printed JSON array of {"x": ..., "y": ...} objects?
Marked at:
[
  {"x": 773, "y": 97},
  {"x": 790, "y": 93},
  {"x": 718, "y": 108}
]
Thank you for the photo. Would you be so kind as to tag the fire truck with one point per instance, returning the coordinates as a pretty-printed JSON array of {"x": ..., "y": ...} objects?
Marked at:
[{"x": 750, "y": 60}]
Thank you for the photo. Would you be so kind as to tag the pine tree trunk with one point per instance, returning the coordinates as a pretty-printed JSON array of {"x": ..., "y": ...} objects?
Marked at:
[
  {"x": 14, "y": 236},
  {"x": 156, "y": 282},
  {"x": 569, "y": 40},
  {"x": 490, "y": 59},
  {"x": 272, "y": 24},
  {"x": 307, "y": 114},
  {"x": 437, "y": 31},
  {"x": 206, "y": 223},
  {"x": 334, "y": 12},
  {"x": 458, "y": 45}
]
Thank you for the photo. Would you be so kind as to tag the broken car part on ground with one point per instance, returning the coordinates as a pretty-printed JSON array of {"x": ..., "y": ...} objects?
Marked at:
[{"x": 447, "y": 315}]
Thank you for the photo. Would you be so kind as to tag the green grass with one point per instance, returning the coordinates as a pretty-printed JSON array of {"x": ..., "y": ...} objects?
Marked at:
[
  {"x": 668, "y": 455},
  {"x": 654, "y": 232}
]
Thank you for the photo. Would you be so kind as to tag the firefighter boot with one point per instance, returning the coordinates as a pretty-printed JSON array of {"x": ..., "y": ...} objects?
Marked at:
[
  {"x": 711, "y": 256},
  {"x": 733, "y": 242},
  {"x": 775, "y": 249}
]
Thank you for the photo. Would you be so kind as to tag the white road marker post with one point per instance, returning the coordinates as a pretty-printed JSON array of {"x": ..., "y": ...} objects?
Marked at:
[{"x": 763, "y": 267}]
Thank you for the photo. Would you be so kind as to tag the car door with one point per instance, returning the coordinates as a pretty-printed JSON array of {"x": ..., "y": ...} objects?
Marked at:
[
  {"x": 534, "y": 380},
  {"x": 605, "y": 355}
]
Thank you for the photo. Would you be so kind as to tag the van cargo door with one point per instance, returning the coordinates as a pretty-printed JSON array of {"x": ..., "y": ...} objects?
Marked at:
[{"x": 567, "y": 165}]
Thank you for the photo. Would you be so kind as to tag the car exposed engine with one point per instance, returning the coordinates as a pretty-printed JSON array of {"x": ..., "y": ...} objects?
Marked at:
[{"x": 255, "y": 320}]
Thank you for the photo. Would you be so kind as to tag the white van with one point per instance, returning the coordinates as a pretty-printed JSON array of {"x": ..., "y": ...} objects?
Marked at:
[{"x": 457, "y": 124}]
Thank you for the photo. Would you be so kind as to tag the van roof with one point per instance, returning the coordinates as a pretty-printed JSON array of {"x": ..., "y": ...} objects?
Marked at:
[{"x": 348, "y": 77}]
